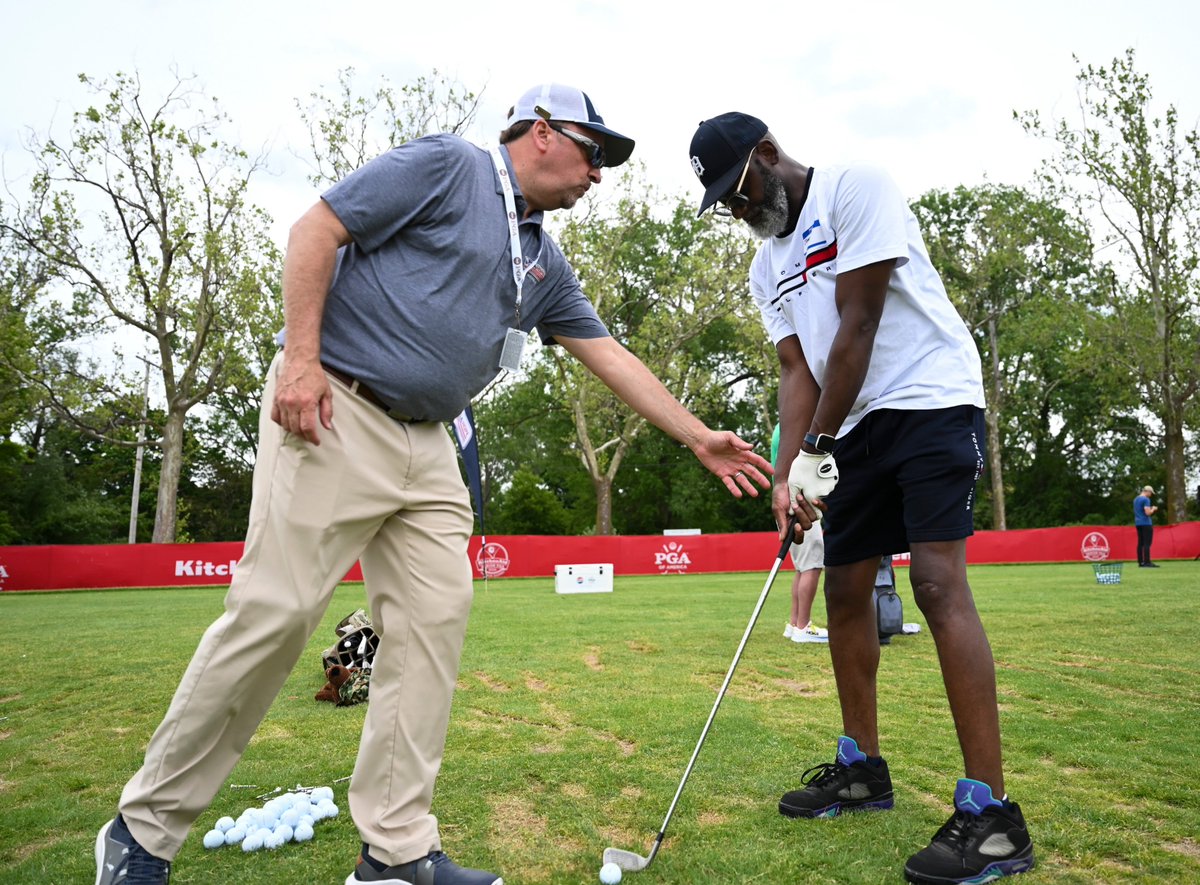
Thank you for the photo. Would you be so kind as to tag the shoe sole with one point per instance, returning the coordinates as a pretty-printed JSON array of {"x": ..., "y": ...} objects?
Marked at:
[
  {"x": 804, "y": 639},
  {"x": 354, "y": 880},
  {"x": 101, "y": 837},
  {"x": 1022, "y": 863},
  {"x": 882, "y": 804}
]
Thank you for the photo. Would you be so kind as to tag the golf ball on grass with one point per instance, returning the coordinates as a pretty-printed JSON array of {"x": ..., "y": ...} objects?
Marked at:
[
  {"x": 610, "y": 874},
  {"x": 214, "y": 839}
]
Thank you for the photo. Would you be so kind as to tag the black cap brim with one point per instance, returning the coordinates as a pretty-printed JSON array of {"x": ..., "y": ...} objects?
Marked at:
[
  {"x": 617, "y": 147},
  {"x": 721, "y": 186}
]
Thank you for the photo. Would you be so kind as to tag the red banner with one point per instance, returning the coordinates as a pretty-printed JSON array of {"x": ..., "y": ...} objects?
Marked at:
[{"x": 524, "y": 556}]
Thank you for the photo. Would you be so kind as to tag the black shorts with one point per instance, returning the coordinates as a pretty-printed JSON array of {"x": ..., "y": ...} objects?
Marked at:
[{"x": 905, "y": 476}]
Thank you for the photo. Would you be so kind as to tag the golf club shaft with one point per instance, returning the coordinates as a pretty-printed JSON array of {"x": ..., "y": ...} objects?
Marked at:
[{"x": 762, "y": 598}]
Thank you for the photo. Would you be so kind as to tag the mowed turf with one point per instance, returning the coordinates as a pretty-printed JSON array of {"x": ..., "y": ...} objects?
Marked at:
[{"x": 575, "y": 717}]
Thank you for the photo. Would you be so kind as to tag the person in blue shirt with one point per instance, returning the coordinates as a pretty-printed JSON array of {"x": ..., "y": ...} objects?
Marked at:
[{"x": 1142, "y": 511}]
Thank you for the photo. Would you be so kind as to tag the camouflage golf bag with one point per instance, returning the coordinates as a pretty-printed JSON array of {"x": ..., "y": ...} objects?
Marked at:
[{"x": 348, "y": 662}]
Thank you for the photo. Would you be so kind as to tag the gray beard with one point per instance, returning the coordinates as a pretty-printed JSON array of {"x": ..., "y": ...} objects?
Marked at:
[{"x": 773, "y": 216}]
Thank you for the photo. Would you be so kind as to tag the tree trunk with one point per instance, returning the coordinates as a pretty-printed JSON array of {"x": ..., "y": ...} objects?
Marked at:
[
  {"x": 1176, "y": 495},
  {"x": 603, "y": 487},
  {"x": 168, "y": 481}
]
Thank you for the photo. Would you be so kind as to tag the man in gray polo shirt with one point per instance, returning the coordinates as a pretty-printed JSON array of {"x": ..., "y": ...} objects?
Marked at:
[{"x": 407, "y": 288}]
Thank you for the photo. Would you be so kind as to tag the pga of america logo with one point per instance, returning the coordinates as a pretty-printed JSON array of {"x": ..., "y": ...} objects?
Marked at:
[
  {"x": 1094, "y": 547},
  {"x": 492, "y": 560},
  {"x": 672, "y": 560}
]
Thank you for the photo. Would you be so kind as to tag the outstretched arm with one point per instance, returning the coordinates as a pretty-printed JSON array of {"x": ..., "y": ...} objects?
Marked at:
[{"x": 722, "y": 452}]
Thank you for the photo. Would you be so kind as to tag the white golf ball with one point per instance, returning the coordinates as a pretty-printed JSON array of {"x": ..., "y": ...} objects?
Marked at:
[
  {"x": 303, "y": 833},
  {"x": 214, "y": 839},
  {"x": 253, "y": 842},
  {"x": 234, "y": 835},
  {"x": 610, "y": 874},
  {"x": 224, "y": 824}
]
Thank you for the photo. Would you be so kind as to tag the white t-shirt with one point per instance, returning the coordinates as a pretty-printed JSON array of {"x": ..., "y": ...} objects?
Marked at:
[{"x": 924, "y": 357}]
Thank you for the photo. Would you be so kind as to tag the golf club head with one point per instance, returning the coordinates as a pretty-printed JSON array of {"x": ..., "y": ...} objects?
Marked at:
[{"x": 626, "y": 860}]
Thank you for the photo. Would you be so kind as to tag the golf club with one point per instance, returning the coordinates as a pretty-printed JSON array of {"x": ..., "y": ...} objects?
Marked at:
[{"x": 628, "y": 860}]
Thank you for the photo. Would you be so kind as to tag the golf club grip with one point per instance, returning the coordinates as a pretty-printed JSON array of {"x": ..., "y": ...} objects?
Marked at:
[{"x": 788, "y": 533}]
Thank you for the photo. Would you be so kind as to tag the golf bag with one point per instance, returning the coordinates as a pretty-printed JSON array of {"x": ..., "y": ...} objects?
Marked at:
[
  {"x": 356, "y": 645},
  {"x": 889, "y": 611},
  {"x": 348, "y": 662}
]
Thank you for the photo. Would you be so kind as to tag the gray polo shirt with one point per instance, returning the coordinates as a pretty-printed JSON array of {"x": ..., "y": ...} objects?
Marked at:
[{"x": 421, "y": 300}]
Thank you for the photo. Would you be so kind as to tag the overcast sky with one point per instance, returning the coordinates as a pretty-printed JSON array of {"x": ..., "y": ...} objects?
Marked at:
[{"x": 926, "y": 88}]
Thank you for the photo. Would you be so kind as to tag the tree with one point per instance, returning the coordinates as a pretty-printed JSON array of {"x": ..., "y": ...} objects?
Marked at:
[
  {"x": 663, "y": 286},
  {"x": 142, "y": 223},
  {"x": 347, "y": 129},
  {"x": 1138, "y": 177},
  {"x": 1014, "y": 265}
]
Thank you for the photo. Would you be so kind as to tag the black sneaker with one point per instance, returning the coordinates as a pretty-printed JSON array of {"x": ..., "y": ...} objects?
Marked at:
[
  {"x": 121, "y": 861},
  {"x": 984, "y": 840},
  {"x": 852, "y": 783},
  {"x": 433, "y": 869}
]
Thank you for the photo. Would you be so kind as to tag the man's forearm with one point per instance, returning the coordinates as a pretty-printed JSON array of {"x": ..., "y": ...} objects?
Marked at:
[
  {"x": 313, "y": 242},
  {"x": 638, "y": 387}
]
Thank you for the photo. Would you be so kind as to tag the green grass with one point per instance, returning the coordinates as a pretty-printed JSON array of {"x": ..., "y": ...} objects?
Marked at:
[{"x": 575, "y": 717}]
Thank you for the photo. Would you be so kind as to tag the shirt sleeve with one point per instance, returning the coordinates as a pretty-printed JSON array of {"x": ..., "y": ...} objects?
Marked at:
[
  {"x": 392, "y": 191},
  {"x": 775, "y": 321},
  {"x": 870, "y": 216}
]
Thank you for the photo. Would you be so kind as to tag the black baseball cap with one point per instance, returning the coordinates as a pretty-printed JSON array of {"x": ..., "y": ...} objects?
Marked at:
[{"x": 719, "y": 151}]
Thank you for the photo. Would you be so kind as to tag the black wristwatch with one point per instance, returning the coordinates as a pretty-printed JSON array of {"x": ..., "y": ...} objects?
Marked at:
[{"x": 822, "y": 442}]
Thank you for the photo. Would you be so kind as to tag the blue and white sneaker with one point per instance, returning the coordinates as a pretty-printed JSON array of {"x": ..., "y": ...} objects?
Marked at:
[
  {"x": 851, "y": 783},
  {"x": 121, "y": 861},
  {"x": 984, "y": 840}
]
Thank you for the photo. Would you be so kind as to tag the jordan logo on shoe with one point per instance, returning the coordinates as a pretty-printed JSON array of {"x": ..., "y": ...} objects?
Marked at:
[{"x": 968, "y": 801}]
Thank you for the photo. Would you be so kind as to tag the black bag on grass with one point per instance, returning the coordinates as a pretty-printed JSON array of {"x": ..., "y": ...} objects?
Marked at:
[{"x": 889, "y": 610}]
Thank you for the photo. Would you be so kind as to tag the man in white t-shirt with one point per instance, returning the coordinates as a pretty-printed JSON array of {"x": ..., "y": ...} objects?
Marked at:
[{"x": 877, "y": 371}]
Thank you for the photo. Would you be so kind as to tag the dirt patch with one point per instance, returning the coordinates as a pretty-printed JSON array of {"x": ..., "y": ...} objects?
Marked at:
[
  {"x": 491, "y": 682},
  {"x": 534, "y": 684},
  {"x": 1187, "y": 847},
  {"x": 592, "y": 659}
]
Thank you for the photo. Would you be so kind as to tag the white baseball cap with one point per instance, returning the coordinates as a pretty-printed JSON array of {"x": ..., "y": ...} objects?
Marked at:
[{"x": 566, "y": 104}]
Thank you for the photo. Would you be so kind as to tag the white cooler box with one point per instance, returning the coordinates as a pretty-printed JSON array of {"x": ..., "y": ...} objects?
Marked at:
[{"x": 587, "y": 578}]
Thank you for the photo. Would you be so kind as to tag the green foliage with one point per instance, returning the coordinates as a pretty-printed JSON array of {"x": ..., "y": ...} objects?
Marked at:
[
  {"x": 346, "y": 128},
  {"x": 529, "y": 507},
  {"x": 139, "y": 220},
  {"x": 560, "y": 747},
  {"x": 1137, "y": 177}
]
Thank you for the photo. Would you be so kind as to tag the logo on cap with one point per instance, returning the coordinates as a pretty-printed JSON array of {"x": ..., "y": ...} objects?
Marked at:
[{"x": 697, "y": 166}]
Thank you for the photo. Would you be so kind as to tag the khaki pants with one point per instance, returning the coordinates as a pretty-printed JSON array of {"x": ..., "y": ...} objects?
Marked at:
[{"x": 391, "y": 495}]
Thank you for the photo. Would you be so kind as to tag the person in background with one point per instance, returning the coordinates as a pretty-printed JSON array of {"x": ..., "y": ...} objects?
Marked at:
[
  {"x": 407, "y": 288},
  {"x": 808, "y": 557},
  {"x": 881, "y": 421},
  {"x": 1143, "y": 510}
]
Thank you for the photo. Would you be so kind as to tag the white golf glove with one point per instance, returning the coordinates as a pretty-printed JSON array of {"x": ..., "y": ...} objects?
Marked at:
[{"x": 813, "y": 476}]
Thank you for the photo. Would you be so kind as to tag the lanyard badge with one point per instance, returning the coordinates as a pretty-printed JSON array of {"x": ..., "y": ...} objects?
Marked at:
[{"x": 514, "y": 338}]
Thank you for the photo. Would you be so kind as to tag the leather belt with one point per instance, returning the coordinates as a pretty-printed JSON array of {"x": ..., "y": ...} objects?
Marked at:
[{"x": 357, "y": 387}]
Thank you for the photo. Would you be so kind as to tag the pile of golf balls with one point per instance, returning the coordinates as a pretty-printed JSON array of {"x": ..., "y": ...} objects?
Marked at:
[
  {"x": 289, "y": 817},
  {"x": 610, "y": 874}
]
